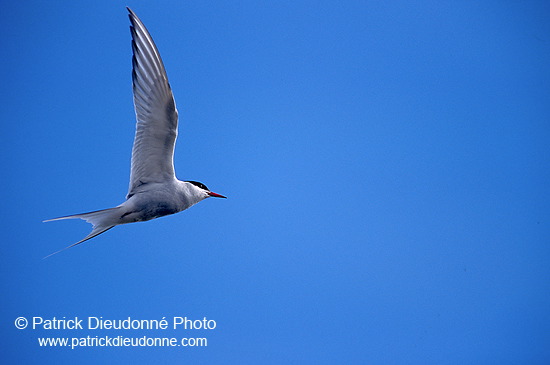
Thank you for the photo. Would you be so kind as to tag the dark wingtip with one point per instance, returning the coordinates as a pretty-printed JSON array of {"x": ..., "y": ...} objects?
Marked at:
[{"x": 131, "y": 15}]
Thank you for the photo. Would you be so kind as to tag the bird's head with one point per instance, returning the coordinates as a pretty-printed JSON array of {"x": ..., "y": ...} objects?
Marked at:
[{"x": 201, "y": 189}]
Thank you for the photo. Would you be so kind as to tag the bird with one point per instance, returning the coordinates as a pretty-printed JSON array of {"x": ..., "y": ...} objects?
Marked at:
[{"x": 154, "y": 191}]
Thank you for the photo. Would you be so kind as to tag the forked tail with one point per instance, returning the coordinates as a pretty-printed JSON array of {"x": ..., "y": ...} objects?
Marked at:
[{"x": 102, "y": 221}]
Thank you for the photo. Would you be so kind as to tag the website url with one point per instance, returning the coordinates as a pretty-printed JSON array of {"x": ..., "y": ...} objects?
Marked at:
[{"x": 121, "y": 341}]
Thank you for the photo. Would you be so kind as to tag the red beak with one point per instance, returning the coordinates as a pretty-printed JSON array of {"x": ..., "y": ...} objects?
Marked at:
[{"x": 216, "y": 195}]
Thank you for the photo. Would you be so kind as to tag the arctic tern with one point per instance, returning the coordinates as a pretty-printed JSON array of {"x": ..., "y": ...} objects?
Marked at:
[{"x": 154, "y": 190}]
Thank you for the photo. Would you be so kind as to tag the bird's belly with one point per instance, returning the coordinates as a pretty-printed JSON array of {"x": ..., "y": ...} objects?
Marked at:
[{"x": 152, "y": 210}]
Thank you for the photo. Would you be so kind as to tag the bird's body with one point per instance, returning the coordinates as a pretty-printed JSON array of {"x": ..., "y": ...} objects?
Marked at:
[
  {"x": 159, "y": 199},
  {"x": 154, "y": 190}
]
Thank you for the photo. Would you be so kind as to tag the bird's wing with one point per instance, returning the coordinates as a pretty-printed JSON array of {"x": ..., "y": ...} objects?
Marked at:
[{"x": 156, "y": 114}]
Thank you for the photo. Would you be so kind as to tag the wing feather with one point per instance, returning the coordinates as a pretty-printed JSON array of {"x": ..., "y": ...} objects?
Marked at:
[{"x": 156, "y": 113}]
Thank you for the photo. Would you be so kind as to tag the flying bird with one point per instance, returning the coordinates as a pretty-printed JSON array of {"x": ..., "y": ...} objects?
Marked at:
[{"x": 154, "y": 190}]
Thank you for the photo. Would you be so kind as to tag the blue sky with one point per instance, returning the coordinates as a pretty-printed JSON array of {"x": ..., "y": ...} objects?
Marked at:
[{"x": 387, "y": 168}]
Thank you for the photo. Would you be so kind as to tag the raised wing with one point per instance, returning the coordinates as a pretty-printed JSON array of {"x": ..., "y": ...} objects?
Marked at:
[{"x": 156, "y": 114}]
